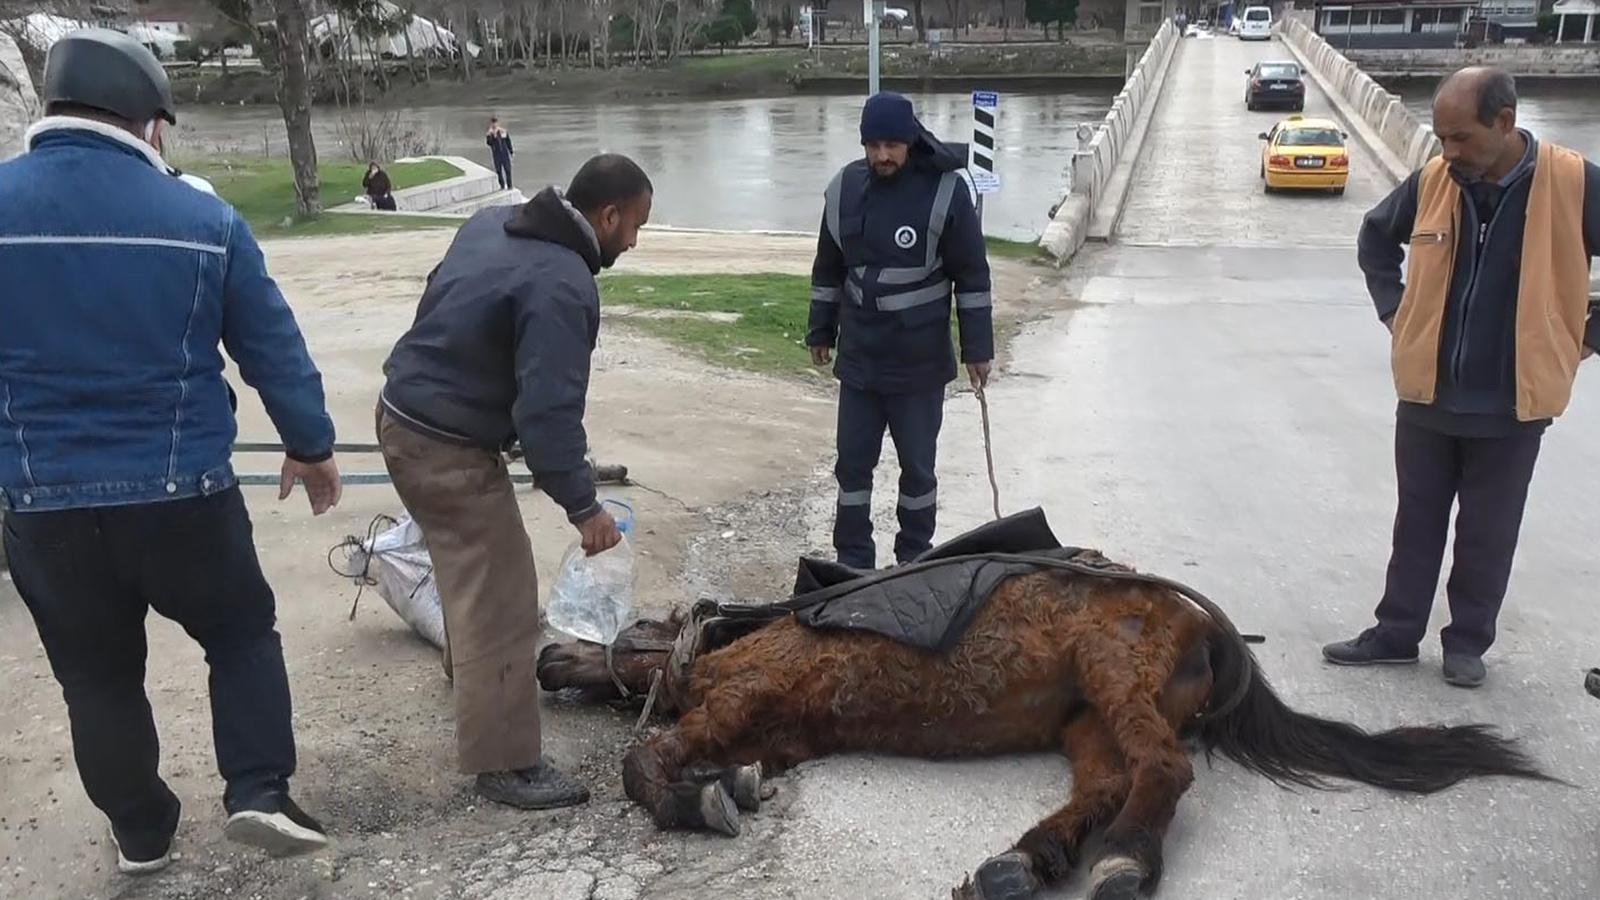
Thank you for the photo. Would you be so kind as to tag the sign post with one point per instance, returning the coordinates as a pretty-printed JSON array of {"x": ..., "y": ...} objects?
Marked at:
[
  {"x": 980, "y": 153},
  {"x": 872, "y": 12}
]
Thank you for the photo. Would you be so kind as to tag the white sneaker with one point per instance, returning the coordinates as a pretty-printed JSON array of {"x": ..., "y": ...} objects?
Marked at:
[
  {"x": 136, "y": 865},
  {"x": 284, "y": 831}
]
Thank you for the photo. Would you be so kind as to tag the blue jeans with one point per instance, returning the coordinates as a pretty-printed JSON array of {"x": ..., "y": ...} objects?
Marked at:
[
  {"x": 913, "y": 420},
  {"x": 88, "y": 576}
]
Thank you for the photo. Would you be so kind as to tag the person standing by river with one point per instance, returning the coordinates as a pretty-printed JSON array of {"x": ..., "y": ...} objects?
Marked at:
[{"x": 499, "y": 141}]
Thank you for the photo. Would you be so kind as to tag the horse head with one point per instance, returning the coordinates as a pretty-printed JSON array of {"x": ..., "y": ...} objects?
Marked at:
[{"x": 641, "y": 650}]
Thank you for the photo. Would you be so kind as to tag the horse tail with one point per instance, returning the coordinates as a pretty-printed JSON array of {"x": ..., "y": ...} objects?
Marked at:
[{"x": 1259, "y": 731}]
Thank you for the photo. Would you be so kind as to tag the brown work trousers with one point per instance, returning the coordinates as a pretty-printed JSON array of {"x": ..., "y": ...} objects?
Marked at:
[{"x": 463, "y": 500}]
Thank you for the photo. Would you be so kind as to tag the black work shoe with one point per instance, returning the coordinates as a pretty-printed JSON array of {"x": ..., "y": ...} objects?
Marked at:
[
  {"x": 1367, "y": 649},
  {"x": 142, "y": 856},
  {"x": 275, "y": 824},
  {"x": 542, "y": 787},
  {"x": 1463, "y": 670}
]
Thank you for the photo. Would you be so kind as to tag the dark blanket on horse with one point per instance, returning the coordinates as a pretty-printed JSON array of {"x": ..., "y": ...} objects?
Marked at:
[{"x": 930, "y": 601}]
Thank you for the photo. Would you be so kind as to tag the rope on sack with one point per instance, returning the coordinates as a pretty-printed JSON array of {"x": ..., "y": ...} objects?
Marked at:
[{"x": 363, "y": 578}]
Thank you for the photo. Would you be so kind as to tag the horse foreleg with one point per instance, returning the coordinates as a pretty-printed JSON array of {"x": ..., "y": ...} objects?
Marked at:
[
  {"x": 652, "y": 776},
  {"x": 1050, "y": 850},
  {"x": 695, "y": 774}
]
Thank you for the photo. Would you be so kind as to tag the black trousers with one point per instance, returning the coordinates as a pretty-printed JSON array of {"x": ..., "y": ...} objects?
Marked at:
[
  {"x": 1489, "y": 478},
  {"x": 502, "y": 171},
  {"x": 913, "y": 420},
  {"x": 88, "y": 576}
]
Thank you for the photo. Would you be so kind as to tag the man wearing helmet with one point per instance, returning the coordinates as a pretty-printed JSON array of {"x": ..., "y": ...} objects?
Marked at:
[{"x": 115, "y": 433}]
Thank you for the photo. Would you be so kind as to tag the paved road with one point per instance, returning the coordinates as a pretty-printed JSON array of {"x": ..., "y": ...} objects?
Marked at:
[
  {"x": 1219, "y": 409},
  {"x": 1198, "y": 179}
]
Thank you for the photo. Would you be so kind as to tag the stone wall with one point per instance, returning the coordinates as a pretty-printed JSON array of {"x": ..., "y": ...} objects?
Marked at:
[
  {"x": 1523, "y": 60},
  {"x": 1101, "y": 146},
  {"x": 19, "y": 105},
  {"x": 1409, "y": 141}
]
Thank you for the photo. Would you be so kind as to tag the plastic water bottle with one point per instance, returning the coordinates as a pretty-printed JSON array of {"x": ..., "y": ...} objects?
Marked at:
[{"x": 592, "y": 597}]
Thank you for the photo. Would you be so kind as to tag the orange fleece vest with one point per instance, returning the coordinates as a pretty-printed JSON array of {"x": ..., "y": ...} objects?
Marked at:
[{"x": 1552, "y": 291}]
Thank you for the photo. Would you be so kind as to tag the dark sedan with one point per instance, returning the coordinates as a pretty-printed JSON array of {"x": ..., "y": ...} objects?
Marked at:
[{"x": 1275, "y": 84}]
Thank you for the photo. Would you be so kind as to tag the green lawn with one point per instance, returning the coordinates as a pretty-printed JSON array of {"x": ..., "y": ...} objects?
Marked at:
[
  {"x": 1008, "y": 249},
  {"x": 768, "y": 335},
  {"x": 263, "y": 191}
]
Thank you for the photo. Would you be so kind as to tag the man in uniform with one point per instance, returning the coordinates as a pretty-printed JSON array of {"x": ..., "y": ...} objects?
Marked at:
[{"x": 899, "y": 239}]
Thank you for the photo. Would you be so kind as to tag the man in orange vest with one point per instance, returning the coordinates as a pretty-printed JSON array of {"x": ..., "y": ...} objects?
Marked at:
[{"x": 1489, "y": 324}]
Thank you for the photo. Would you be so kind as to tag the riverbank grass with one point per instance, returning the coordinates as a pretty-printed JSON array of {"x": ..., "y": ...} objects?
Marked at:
[
  {"x": 263, "y": 192},
  {"x": 751, "y": 322}
]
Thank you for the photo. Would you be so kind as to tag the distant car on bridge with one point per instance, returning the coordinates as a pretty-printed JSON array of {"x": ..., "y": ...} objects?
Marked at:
[
  {"x": 1278, "y": 83},
  {"x": 1257, "y": 25},
  {"x": 1305, "y": 154}
]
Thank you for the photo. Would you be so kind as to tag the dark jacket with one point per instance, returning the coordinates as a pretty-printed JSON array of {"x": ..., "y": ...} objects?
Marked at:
[
  {"x": 1477, "y": 349},
  {"x": 377, "y": 184},
  {"x": 501, "y": 344},
  {"x": 499, "y": 146},
  {"x": 891, "y": 255}
]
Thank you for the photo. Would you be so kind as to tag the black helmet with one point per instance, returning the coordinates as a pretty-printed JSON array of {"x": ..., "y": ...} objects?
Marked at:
[{"x": 109, "y": 71}]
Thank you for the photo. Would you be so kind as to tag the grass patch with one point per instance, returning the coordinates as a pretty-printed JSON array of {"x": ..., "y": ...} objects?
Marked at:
[
  {"x": 767, "y": 336},
  {"x": 1003, "y": 248},
  {"x": 751, "y": 322},
  {"x": 263, "y": 192}
]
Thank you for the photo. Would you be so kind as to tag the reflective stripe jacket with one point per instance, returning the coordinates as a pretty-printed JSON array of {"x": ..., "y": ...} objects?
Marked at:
[{"x": 891, "y": 256}]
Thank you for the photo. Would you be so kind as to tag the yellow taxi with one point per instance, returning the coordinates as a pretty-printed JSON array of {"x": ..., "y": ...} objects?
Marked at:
[{"x": 1305, "y": 154}]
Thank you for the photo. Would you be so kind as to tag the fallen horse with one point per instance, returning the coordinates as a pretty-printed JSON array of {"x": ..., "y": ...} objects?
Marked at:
[{"x": 1051, "y": 649}]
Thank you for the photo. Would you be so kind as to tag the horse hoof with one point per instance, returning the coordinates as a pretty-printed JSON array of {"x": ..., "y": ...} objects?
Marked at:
[
  {"x": 718, "y": 811},
  {"x": 1008, "y": 876},
  {"x": 747, "y": 787},
  {"x": 1116, "y": 878}
]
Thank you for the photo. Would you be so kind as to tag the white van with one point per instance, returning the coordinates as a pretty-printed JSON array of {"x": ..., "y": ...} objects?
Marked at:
[{"x": 1256, "y": 24}]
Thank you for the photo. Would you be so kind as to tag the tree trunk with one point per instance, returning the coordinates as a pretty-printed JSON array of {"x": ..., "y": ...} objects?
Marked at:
[
  {"x": 294, "y": 98},
  {"x": 411, "y": 54},
  {"x": 922, "y": 22}
]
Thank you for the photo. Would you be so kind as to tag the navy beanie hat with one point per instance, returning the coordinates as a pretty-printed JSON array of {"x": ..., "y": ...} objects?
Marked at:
[{"x": 888, "y": 117}]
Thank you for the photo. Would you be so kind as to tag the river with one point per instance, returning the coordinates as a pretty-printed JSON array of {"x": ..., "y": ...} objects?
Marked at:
[
  {"x": 728, "y": 164},
  {"x": 762, "y": 164},
  {"x": 1567, "y": 112}
]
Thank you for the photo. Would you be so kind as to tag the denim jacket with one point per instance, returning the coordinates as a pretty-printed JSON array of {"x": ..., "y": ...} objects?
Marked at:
[{"x": 118, "y": 282}]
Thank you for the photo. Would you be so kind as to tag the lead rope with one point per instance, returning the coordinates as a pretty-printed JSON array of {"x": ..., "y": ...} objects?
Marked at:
[{"x": 988, "y": 449}]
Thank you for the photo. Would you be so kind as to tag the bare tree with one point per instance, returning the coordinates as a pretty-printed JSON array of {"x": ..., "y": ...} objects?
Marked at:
[{"x": 294, "y": 98}]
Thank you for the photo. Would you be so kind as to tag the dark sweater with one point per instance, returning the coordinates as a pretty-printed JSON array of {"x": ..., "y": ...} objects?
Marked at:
[{"x": 1477, "y": 350}]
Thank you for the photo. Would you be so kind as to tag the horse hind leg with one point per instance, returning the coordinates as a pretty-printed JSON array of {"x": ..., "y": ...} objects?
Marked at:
[
  {"x": 1159, "y": 773},
  {"x": 1050, "y": 850}
]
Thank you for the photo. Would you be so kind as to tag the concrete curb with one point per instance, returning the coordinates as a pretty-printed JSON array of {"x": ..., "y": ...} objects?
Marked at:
[
  {"x": 1108, "y": 212},
  {"x": 1103, "y": 146}
]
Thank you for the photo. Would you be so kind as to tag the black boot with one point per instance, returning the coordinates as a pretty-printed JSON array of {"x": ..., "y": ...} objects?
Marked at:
[{"x": 541, "y": 787}]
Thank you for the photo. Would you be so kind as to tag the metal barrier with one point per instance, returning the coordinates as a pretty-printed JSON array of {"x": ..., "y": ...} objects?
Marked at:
[{"x": 603, "y": 474}]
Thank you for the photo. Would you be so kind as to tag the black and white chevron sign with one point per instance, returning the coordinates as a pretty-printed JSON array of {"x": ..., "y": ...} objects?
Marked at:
[{"x": 980, "y": 153}]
